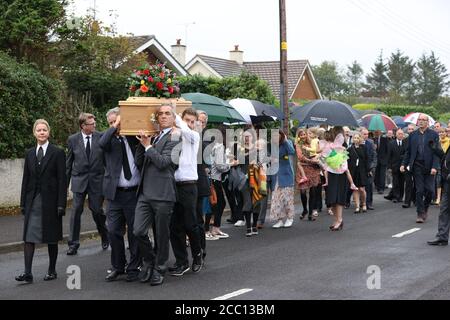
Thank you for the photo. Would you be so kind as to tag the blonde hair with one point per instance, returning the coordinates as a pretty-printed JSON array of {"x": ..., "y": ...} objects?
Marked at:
[
  {"x": 40, "y": 121},
  {"x": 314, "y": 131}
]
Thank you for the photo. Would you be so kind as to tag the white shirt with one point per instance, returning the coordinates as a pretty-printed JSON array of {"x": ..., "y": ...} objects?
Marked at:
[
  {"x": 135, "y": 175},
  {"x": 187, "y": 163},
  {"x": 44, "y": 148},
  {"x": 399, "y": 142},
  {"x": 85, "y": 140}
]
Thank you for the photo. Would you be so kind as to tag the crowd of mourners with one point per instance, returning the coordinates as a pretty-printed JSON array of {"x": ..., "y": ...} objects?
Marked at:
[{"x": 170, "y": 190}]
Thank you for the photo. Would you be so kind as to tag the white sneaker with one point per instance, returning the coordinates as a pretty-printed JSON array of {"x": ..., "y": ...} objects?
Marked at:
[
  {"x": 288, "y": 223},
  {"x": 239, "y": 223},
  {"x": 209, "y": 236},
  {"x": 220, "y": 235},
  {"x": 278, "y": 225}
]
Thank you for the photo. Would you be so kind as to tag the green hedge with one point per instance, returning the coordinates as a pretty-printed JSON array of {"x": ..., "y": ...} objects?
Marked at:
[
  {"x": 362, "y": 106},
  {"x": 398, "y": 110},
  {"x": 25, "y": 95}
]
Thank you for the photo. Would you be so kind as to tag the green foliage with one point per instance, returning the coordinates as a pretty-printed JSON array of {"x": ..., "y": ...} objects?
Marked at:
[
  {"x": 362, "y": 106},
  {"x": 377, "y": 80},
  {"x": 401, "y": 75},
  {"x": 245, "y": 86},
  {"x": 353, "y": 76},
  {"x": 398, "y": 110},
  {"x": 27, "y": 27},
  {"x": 442, "y": 104},
  {"x": 27, "y": 95},
  {"x": 444, "y": 117},
  {"x": 431, "y": 79},
  {"x": 329, "y": 79}
]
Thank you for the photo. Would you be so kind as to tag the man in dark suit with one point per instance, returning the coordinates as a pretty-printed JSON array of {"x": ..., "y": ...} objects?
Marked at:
[
  {"x": 381, "y": 143},
  {"x": 396, "y": 151},
  {"x": 156, "y": 196},
  {"x": 85, "y": 166},
  {"x": 410, "y": 190},
  {"x": 119, "y": 188},
  {"x": 424, "y": 163}
]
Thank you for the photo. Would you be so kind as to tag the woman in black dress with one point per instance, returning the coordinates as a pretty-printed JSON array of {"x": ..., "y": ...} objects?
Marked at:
[
  {"x": 358, "y": 165},
  {"x": 43, "y": 199}
]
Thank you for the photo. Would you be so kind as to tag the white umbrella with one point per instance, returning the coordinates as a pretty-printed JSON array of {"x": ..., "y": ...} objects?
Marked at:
[
  {"x": 414, "y": 117},
  {"x": 255, "y": 111}
]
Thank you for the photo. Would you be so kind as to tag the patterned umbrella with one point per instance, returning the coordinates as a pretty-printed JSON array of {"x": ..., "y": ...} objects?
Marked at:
[
  {"x": 380, "y": 122},
  {"x": 414, "y": 116}
]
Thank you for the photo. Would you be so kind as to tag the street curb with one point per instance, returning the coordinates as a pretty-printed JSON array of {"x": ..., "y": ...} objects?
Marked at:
[{"x": 18, "y": 246}]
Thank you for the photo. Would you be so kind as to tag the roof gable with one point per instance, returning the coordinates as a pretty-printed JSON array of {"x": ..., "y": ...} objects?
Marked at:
[
  {"x": 150, "y": 43},
  {"x": 222, "y": 67}
]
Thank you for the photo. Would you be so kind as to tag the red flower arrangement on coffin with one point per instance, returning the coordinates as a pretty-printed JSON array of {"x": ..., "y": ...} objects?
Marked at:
[{"x": 154, "y": 81}]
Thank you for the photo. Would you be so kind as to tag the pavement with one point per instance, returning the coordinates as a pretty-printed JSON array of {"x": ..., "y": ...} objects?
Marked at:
[{"x": 372, "y": 258}]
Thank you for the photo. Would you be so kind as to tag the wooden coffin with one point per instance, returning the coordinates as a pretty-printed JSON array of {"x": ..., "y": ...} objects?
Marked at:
[{"x": 139, "y": 113}]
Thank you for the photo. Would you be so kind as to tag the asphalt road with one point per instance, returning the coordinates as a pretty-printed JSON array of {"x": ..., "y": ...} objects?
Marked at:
[{"x": 306, "y": 261}]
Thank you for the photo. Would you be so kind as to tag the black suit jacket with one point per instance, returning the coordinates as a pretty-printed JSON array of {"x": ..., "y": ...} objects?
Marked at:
[
  {"x": 53, "y": 190},
  {"x": 396, "y": 154},
  {"x": 79, "y": 168},
  {"x": 382, "y": 150},
  {"x": 112, "y": 151}
]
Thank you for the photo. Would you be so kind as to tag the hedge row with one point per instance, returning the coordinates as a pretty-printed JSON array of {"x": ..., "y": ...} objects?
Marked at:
[
  {"x": 398, "y": 110},
  {"x": 25, "y": 95}
]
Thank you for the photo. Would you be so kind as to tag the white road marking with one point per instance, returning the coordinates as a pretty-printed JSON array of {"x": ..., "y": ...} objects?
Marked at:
[
  {"x": 400, "y": 235},
  {"x": 233, "y": 294}
]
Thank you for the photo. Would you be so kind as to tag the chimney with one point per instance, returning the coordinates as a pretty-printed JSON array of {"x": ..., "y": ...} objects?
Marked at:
[
  {"x": 179, "y": 52},
  {"x": 237, "y": 55}
]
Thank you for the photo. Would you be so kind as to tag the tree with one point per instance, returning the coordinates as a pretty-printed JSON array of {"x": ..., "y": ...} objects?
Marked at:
[
  {"x": 246, "y": 86},
  {"x": 27, "y": 28},
  {"x": 329, "y": 79},
  {"x": 431, "y": 79},
  {"x": 377, "y": 80},
  {"x": 354, "y": 75},
  {"x": 401, "y": 76}
]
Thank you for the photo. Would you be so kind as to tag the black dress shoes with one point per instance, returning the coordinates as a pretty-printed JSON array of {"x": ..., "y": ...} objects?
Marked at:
[
  {"x": 27, "y": 277},
  {"x": 157, "y": 278},
  {"x": 105, "y": 243},
  {"x": 50, "y": 276},
  {"x": 113, "y": 275},
  {"x": 197, "y": 263},
  {"x": 146, "y": 273},
  {"x": 406, "y": 206},
  {"x": 132, "y": 277},
  {"x": 438, "y": 242},
  {"x": 72, "y": 251}
]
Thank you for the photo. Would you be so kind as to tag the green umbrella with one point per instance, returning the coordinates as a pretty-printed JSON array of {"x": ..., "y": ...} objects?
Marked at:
[{"x": 218, "y": 110}]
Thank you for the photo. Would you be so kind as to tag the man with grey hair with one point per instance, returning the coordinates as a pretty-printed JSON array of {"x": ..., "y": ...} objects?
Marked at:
[
  {"x": 410, "y": 189},
  {"x": 119, "y": 188},
  {"x": 372, "y": 159},
  {"x": 156, "y": 196}
]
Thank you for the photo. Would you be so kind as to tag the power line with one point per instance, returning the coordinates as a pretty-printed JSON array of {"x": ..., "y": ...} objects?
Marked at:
[{"x": 399, "y": 29}]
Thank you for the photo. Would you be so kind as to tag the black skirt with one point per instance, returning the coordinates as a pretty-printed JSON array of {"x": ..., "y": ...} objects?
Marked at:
[{"x": 337, "y": 189}]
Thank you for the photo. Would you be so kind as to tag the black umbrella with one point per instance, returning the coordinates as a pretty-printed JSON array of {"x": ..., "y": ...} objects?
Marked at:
[
  {"x": 255, "y": 111},
  {"x": 333, "y": 113}
]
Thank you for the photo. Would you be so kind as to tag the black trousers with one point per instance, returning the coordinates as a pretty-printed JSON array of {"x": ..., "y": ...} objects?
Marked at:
[
  {"x": 95, "y": 200},
  {"x": 380, "y": 177},
  {"x": 234, "y": 202},
  {"x": 120, "y": 217},
  {"x": 398, "y": 184},
  {"x": 410, "y": 190},
  {"x": 184, "y": 222},
  {"x": 217, "y": 210},
  {"x": 424, "y": 189},
  {"x": 157, "y": 214}
]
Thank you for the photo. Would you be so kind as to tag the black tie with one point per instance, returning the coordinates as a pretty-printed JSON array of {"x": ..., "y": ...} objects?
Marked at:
[
  {"x": 125, "y": 163},
  {"x": 40, "y": 154},
  {"x": 158, "y": 137},
  {"x": 88, "y": 147},
  {"x": 399, "y": 143}
]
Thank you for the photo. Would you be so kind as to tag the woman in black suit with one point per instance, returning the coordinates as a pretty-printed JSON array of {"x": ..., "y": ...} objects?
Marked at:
[
  {"x": 358, "y": 164},
  {"x": 43, "y": 199}
]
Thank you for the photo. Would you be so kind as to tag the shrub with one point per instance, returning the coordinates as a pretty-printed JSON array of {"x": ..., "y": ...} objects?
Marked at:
[
  {"x": 364, "y": 106},
  {"x": 396, "y": 110},
  {"x": 26, "y": 95}
]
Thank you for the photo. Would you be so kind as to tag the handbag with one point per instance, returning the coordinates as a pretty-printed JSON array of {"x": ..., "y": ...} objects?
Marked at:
[{"x": 213, "y": 195}]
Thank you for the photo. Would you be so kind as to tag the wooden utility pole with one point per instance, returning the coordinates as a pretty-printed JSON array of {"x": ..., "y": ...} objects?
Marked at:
[{"x": 283, "y": 67}]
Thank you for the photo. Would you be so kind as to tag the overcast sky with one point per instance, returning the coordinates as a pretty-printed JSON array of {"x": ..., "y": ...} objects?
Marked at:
[{"x": 339, "y": 30}]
